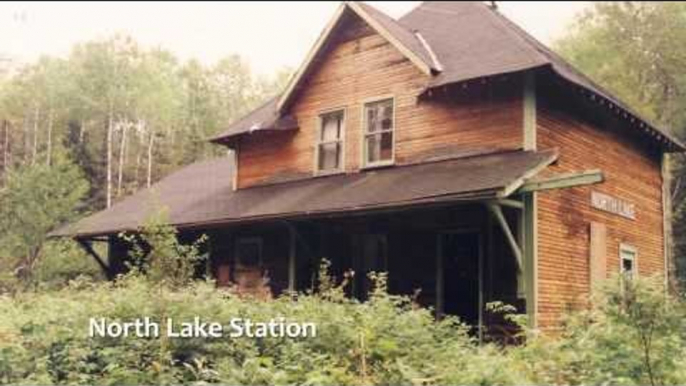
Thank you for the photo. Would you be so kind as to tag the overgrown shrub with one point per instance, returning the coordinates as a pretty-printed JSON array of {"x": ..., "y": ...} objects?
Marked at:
[
  {"x": 386, "y": 340},
  {"x": 64, "y": 261},
  {"x": 634, "y": 334},
  {"x": 158, "y": 252}
]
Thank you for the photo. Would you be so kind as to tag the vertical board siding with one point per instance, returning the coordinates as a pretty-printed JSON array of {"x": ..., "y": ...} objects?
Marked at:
[
  {"x": 565, "y": 215},
  {"x": 365, "y": 67}
]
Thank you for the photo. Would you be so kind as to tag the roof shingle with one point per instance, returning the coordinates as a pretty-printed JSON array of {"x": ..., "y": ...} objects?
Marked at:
[{"x": 201, "y": 194}]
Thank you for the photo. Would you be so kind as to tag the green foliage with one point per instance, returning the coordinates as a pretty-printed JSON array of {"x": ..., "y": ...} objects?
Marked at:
[
  {"x": 34, "y": 201},
  {"x": 63, "y": 260},
  {"x": 386, "y": 340},
  {"x": 162, "y": 110},
  {"x": 635, "y": 50},
  {"x": 126, "y": 114},
  {"x": 633, "y": 335},
  {"x": 158, "y": 253}
]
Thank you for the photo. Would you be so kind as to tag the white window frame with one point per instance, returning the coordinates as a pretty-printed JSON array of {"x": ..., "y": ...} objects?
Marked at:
[
  {"x": 318, "y": 142},
  {"x": 364, "y": 134},
  {"x": 631, "y": 250},
  {"x": 248, "y": 240}
]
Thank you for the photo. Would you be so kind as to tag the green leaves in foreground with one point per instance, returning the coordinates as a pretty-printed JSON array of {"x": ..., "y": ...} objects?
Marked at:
[{"x": 386, "y": 340}]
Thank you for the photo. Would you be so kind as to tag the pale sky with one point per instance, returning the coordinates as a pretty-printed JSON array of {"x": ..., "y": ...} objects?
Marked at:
[{"x": 268, "y": 35}]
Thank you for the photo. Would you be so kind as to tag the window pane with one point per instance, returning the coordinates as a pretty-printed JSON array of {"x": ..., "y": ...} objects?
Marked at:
[
  {"x": 387, "y": 146},
  {"x": 373, "y": 149},
  {"x": 331, "y": 127},
  {"x": 387, "y": 117},
  {"x": 380, "y": 147},
  {"x": 329, "y": 156},
  {"x": 627, "y": 261},
  {"x": 331, "y": 131},
  {"x": 371, "y": 119},
  {"x": 379, "y": 116}
]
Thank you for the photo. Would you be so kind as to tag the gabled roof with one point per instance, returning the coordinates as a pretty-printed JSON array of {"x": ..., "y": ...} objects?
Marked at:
[
  {"x": 405, "y": 40},
  {"x": 201, "y": 195},
  {"x": 455, "y": 42},
  {"x": 269, "y": 116}
]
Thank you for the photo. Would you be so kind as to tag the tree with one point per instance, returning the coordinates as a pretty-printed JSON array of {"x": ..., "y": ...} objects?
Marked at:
[
  {"x": 633, "y": 49},
  {"x": 35, "y": 200},
  {"x": 638, "y": 51},
  {"x": 127, "y": 114},
  {"x": 106, "y": 78}
]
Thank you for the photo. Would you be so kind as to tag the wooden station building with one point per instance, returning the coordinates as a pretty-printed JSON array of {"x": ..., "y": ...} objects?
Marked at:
[{"x": 448, "y": 148}]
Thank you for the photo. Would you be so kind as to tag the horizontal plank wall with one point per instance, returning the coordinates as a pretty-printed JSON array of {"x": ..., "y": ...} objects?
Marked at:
[
  {"x": 632, "y": 174},
  {"x": 363, "y": 66}
]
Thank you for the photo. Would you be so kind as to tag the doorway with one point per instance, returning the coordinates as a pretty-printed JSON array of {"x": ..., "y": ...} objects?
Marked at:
[
  {"x": 370, "y": 254},
  {"x": 460, "y": 278}
]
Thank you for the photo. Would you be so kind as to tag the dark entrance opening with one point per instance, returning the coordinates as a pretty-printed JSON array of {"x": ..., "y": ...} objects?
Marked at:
[
  {"x": 461, "y": 261},
  {"x": 370, "y": 254}
]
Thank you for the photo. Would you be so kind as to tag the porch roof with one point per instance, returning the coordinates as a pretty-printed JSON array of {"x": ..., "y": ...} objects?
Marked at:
[{"x": 201, "y": 194}]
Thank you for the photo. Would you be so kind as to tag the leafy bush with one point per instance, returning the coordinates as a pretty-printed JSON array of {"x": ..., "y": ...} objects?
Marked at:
[
  {"x": 386, "y": 340},
  {"x": 158, "y": 252},
  {"x": 633, "y": 335},
  {"x": 64, "y": 261}
]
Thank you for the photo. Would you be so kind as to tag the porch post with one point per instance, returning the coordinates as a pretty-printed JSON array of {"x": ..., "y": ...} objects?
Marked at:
[
  {"x": 292, "y": 257},
  {"x": 439, "y": 277},
  {"x": 530, "y": 231},
  {"x": 481, "y": 287},
  {"x": 530, "y": 214}
]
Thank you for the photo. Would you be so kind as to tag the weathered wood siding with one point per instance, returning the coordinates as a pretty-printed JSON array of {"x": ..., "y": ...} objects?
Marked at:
[
  {"x": 632, "y": 173},
  {"x": 363, "y": 65}
]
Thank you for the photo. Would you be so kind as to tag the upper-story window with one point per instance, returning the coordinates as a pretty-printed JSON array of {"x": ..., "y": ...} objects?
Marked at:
[
  {"x": 330, "y": 142},
  {"x": 379, "y": 122}
]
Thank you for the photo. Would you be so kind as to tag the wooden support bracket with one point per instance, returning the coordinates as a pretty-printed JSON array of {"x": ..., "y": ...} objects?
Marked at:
[
  {"x": 508, "y": 202},
  {"x": 88, "y": 247},
  {"x": 564, "y": 180},
  {"x": 497, "y": 213}
]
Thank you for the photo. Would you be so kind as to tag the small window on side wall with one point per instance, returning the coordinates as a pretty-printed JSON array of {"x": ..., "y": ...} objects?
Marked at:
[
  {"x": 330, "y": 142},
  {"x": 627, "y": 261},
  {"x": 379, "y": 123}
]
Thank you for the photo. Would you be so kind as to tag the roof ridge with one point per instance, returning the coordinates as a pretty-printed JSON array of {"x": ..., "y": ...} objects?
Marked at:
[
  {"x": 521, "y": 35},
  {"x": 396, "y": 23},
  {"x": 399, "y": 36},
  {"x": 432, "y": 54}
]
